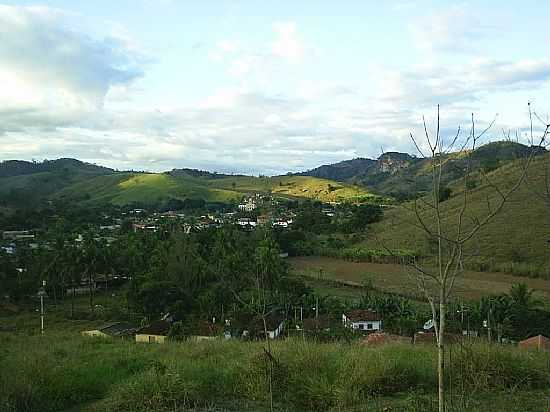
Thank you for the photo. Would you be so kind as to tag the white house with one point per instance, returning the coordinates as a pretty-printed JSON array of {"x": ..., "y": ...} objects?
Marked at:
[
  {"x": 362, "y": 320},
  {"x": 249, "y": 206}
]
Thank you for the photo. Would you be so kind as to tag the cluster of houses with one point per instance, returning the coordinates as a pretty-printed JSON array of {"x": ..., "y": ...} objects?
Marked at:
[
  {"x": 154, "y": 223},
  {"x": 158, "y": 331},
  {"x": 12, "y": 238},
  {"x": 367, "y": 323}
]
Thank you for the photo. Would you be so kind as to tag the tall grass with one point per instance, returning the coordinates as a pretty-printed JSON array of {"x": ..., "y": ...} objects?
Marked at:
[
  {"x": 54, "y": 373},
  {"x": 525, "y": 269}
]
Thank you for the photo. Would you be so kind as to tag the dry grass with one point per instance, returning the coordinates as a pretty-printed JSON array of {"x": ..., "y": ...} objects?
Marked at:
[{"x": 394, "y": 278}]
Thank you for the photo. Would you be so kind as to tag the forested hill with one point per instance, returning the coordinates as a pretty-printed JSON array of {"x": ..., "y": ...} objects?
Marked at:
[
  {"x": 10, "y": 168},
  {"x": 402, "y": 176},
  {"x": 31, "y": 184},
  {"x": 398, "y": 175}
]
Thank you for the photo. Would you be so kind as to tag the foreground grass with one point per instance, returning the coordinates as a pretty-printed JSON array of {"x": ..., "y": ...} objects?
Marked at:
[{"x": 66, "y": 372}]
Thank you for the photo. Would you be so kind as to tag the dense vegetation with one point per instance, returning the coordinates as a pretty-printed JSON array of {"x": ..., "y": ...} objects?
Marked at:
[{"x": 60, "y": 371}]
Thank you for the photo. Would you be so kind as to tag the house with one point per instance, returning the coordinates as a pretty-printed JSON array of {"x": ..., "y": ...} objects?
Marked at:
[
  {"x": 112, "y": 330},
  {"x": 255, "y": 328},
  {"x": 362, "y": 320},
  {"x": 17, "y": 234},
  {"x": 275, "y": 326},
  {"x": 280, "y": 223},
  {"x": 246, "y": 222},
  {"x": 539, "y": 342},
  {"x": 9, "y": 249},
  {"x": 249, "y": 206},
  {"x": 156, "y": 332}
]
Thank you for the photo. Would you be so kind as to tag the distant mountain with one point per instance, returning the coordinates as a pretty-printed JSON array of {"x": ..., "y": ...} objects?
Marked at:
[
  {"x": 341, "y": 171},
  {"x": 31, "y": 184},
  {"x": 393, "y": 174},
  {"x": 401, "y": 175},
  {"x": 11, "y": 168},
  {"x": 198, "y": 173}
]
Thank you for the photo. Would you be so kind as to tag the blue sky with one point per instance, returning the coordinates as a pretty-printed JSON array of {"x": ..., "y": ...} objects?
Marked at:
[{"x": 260, "y": 87}]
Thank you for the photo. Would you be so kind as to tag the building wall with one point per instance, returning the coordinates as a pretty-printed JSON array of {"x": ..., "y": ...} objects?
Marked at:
[
  {"x": 272, "y": 334},
  {"x": 150, "y": 338},
  {"x": 374, "y": 325}
]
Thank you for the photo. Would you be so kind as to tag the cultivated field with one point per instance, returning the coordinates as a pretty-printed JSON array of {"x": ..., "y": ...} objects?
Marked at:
[{"x": 397, "y": 279}]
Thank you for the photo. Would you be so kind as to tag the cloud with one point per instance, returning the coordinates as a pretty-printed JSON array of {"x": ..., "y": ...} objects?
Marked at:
[
  {"x": 445, "y": 84},
  {"x": 288, "y": 44},
  {"x": 287, "y": 48},
  {"x": 452, "y": 30},
  {"x": 53, "y": 73},
  {"x": 70, "y": 94}
]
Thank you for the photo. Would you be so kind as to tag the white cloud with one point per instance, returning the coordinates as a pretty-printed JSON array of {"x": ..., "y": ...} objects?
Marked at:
[
  {"x": 288, "y": 44},
  {"x": 50, "y": 69},
  {"x": 454, "y": 29},
  {"x": 70, "y": 100}
]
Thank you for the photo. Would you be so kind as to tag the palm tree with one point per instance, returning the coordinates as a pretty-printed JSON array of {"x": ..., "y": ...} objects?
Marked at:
[{"x": 522, "y": 296}]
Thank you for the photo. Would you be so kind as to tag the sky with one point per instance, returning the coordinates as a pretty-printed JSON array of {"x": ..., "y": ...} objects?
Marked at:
[{"x": 262, "y": 87}]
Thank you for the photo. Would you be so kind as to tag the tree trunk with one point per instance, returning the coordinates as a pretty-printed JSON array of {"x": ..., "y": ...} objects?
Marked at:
[
  {"x": 270, "y": 364},
  {"x": 90, "y": 289},
  {"x": 72, "y": 301},
  {"x": 441, "y": 355}
]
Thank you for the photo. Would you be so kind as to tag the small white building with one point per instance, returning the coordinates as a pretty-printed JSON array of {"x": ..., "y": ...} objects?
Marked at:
[
  {"x": 247, "y": 206},
  {"x": 362, "y": 320}
]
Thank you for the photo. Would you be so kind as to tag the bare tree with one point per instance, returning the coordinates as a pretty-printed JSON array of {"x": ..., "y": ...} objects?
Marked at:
[
  {"x": 542, "y": 192},
  {"x": 449, "y": 229}
]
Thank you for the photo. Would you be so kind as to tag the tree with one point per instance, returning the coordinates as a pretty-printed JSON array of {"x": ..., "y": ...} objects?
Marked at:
[{"x": 451, "y": 229}]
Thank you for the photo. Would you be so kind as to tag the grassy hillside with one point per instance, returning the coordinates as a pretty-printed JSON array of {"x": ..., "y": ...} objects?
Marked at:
[
  {"x": 296, "y": 187},
  {"x": 518, "y": 236},
  {"x": 154, "y": 188},
  {"x": 144, "y": 188}
]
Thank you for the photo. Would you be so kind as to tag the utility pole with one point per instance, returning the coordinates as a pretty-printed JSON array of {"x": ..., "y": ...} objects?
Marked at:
[
  {"x": 302, "y": 321},
  {"x": 489, "y": 325},
  {"x": 316, "y": 308},
  {"x": 42, "y": 293}
]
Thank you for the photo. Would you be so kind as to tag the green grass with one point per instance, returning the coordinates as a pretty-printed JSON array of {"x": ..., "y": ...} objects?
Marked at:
[
  {"x": 297, "y": 187},
  {"x": 152, "y": 188},
  {"x": 63, "y": 371},
  {"x": 518, "y": 234}
]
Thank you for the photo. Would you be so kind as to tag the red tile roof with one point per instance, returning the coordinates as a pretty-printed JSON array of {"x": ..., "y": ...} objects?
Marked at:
[
  {"x": 535, "y": 342},
  {"x": 359, "y": 315}
]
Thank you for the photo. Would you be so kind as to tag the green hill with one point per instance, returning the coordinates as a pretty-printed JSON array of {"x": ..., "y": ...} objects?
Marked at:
[
  {"x": 27, "y": 184},
  {"x": 155, "y": 188},
  {"x": 517, "y": 238},
  {"x": 401, "y": 175}
]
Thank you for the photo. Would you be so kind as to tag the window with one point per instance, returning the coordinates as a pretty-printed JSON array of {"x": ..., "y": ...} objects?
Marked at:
[
  {"x": 369, "y": 325},
  {"x": 361, "y": 326},
  {"x": 151, "y": 339}
]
